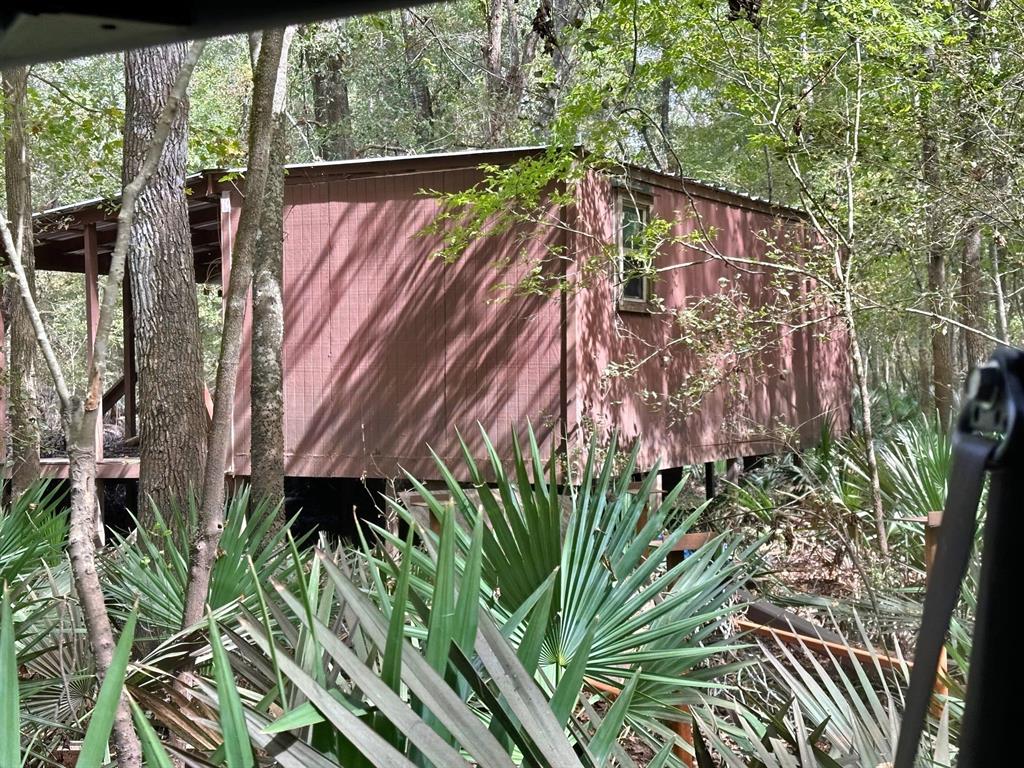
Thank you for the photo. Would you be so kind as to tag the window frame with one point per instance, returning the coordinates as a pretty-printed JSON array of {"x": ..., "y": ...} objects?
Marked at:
[{"x": 642, "y": 201}]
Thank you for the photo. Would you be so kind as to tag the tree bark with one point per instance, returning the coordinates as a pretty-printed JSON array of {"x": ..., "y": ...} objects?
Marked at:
[
  {"x": 422, "y": 101},
  {"x": 23, "y": 403},
  {"x": 325, "y": 63},
  {"x": 973, "y": 301},
  {"x": 267, "y": 386},
  {"x": 80, "y": 430},
  {"x": 211, "y": 513},
  {"x": 860, "y": 379},
  {"x": 522, "y": 51},
  {"x": 172, "y": 419},
  {"x": 924, "y": 363},
  {"x": 942, "y": 357},
  {"x": 495, "y": 85},
  {"x": 995, "y": 249}
]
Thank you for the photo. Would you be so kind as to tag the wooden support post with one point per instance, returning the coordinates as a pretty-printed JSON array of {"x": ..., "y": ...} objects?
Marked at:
[
  {"x": 653, "y": 500},
  {"x": 227, "y": 244},
  {"x": 128, "y": 320},
  {"x": 684, "y": 728},
  {"x": 670, "y": 478},
  {"x": 709, "y": 480},
  {"x": 92, "y": 323},
  {"x": 92, "y": 314},
  {"x": 931, "y": 542},
  {"x": 226, "y": 233}
]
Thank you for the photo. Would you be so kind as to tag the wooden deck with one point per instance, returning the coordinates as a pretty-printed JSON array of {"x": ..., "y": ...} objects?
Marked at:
[{"x": 125, "y": 468}]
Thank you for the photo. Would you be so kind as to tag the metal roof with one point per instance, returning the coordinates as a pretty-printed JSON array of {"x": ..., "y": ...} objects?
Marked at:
[{"x": 481, "y": 154}]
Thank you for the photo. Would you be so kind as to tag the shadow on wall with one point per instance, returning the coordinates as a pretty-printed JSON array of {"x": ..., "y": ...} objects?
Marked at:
[{"x": 387, "y": 350}]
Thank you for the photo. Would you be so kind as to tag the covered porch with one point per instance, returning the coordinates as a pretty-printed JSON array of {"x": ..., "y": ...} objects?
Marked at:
[{"x": 79, "y": 239}]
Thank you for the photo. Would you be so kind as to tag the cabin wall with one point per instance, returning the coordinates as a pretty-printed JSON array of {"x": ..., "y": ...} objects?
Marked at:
[
  {"x": 388, "y": 351},
  {"x": 766, "y": 400}
]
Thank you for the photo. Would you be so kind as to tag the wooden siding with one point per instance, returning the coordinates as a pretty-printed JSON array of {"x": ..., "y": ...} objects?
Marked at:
[
  {"x": 799, "y": 381},
  {"x": 388, "y": 351}
]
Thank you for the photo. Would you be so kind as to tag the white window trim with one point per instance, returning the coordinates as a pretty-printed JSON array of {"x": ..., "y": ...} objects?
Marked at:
[{"x": 642, "y": 202}]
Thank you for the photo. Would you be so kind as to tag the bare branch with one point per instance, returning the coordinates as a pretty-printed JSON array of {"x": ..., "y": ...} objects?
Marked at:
[{"x": 42, "y": 337}]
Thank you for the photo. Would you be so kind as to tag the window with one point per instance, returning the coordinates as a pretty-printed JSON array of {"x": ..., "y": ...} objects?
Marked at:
[{"x": 634, "y": 288}]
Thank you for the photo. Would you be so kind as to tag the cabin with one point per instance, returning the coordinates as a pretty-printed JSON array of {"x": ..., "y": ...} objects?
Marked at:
[{"x": 388, "y": 351}]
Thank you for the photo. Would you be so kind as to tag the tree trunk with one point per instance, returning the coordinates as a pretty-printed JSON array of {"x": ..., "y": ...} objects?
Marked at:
[
  {"x": 995, "y": 249},
  {"x": 495, "y": 85},
  {"x": 422, "y": 101},
  {"x": 80, "y": 430},
  {"x": 942, "y": 358},
  {"x": 23, "y": 404},
  {"x": 973, "y": 302},
  {"x": 665, "y": 126},
  {"x": 331, "y": 108},
  {"x": 172, "y": 419},
  {"x": 522, "y": 50},
  {"x": 924, "y": 363},
  {"x": 211, "y": 513},
  {"x": 267, "y": 385},
  {"x": 867, "y": 428}
]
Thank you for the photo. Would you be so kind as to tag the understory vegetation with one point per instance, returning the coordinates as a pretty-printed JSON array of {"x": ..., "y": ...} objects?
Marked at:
[
  {"x": 852, "y": 250},
  {"x": 539, "y": 620}
]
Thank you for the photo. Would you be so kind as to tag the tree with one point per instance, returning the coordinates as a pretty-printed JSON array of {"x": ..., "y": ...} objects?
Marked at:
[
  {"x": 324, "y": 56},
  {"x": 81, "y": 410},
  {"x": 203, "y": 551},
  {"x": 161, "y": 270},
  {"x": 267, "y": 385},
  {"x": 23, "y": 405},
  {"x": 419, "y": 88}
]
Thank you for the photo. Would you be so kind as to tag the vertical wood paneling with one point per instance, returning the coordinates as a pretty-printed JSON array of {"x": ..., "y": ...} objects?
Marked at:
[
  {"x": 800, "y": 380},
  {"x": 388, "y": 351}
]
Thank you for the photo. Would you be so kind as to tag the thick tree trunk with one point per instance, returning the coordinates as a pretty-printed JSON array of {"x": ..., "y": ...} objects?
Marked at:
[
  {"x": 23, "y": 404},
  {"x": 267, "y": 385},
  {"x": 973, "y": 297},
  {"x": 211, "y": 513},
  {"x": 495, "y": 85},
  {"x": 422, "y": 101},
  {"x": 172, "y": 419},
  {"x": 331, "y": 107}
]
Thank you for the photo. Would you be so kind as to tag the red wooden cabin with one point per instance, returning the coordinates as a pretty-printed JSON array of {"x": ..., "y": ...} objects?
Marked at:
[{"x": 388, "y": 351}]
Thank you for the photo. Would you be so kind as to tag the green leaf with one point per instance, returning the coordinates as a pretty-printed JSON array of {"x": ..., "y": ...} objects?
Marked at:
[
  {"x": 524, "y": 697},
  {"x": 237, "y": 748},
  {"x": 306, "y": 714},
  {"x": 569, "y": 687},
  {"x": 611, "y": 726},
  {"x": 152, "y": 748},
  {"x": 362, "y": 736},
  {"x": 536, "y": 628},
  {"x": 10, "y": 717},
  {"x": 429, "y": 687},
  {"x": 94, "y": 746}
]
